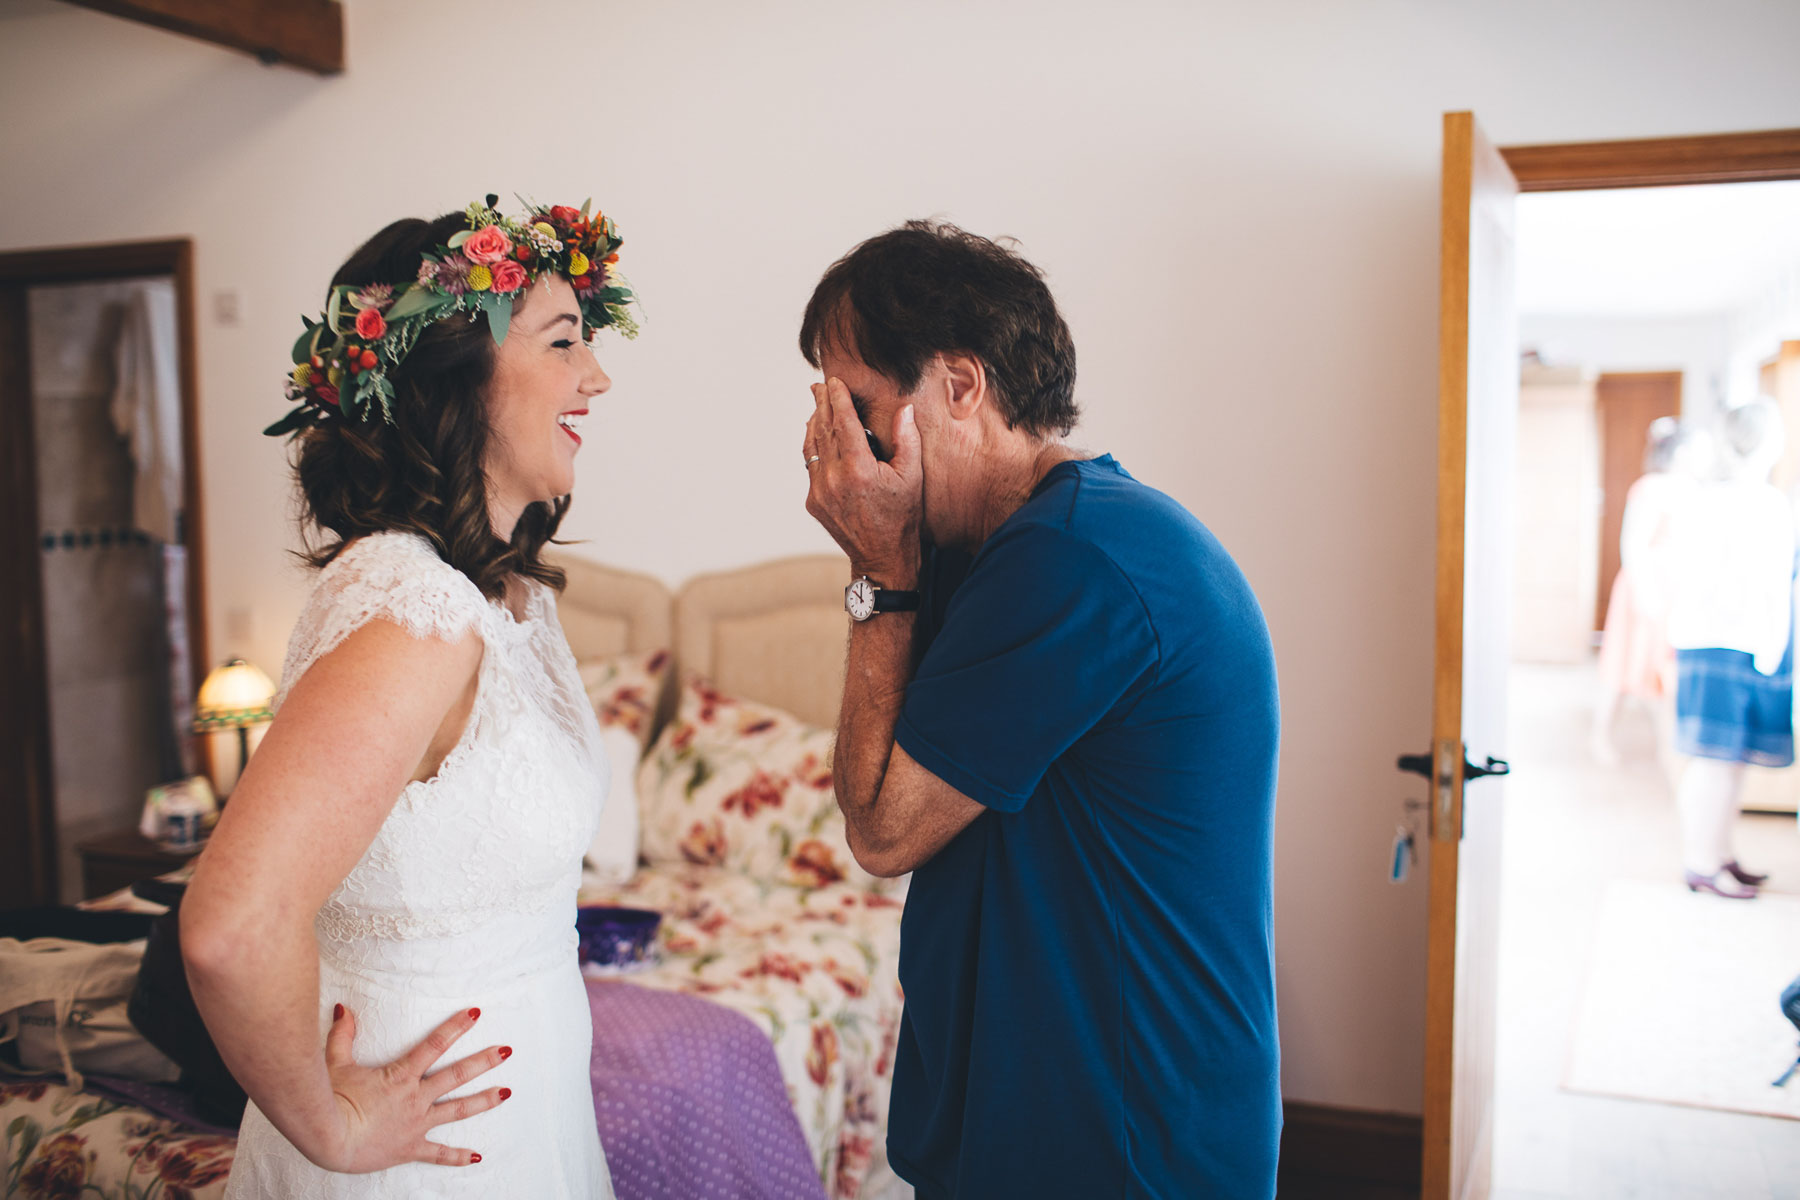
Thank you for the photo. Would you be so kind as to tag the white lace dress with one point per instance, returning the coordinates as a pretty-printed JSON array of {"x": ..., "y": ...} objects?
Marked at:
[{"x": 466, "y": 897}]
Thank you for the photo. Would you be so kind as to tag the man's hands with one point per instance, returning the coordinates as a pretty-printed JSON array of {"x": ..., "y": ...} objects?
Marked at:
[
  {"x": 871, "y": 509},
  {"x": 386, "y": 1111}
]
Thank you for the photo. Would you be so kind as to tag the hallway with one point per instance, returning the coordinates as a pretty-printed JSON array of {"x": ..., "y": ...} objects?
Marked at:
[{"x": 1571, "y": 827}]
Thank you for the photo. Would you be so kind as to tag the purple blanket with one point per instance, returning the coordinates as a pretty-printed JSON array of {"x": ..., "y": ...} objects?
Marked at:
[{"x": 690, "y": 1102}]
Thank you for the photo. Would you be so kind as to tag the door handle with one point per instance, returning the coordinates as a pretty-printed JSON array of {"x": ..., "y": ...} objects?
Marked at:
[{"x": 1420, "y": 764}]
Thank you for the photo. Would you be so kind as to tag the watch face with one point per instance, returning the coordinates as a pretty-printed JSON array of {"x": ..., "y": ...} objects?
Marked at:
[{"x": 859, "y": 600}]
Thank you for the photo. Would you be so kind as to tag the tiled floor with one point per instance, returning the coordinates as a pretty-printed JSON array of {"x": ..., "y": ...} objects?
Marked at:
[{"x": 1571, "y": 826}]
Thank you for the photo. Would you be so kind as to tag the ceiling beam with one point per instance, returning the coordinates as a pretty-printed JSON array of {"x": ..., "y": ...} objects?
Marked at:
[{"x": 302, "y": 33}]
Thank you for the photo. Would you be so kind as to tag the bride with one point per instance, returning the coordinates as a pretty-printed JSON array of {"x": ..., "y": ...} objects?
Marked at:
[{"x": 398, "y": 865}]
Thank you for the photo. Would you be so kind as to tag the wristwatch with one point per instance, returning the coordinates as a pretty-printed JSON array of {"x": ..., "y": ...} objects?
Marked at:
[{"x": 862, "y": 599}]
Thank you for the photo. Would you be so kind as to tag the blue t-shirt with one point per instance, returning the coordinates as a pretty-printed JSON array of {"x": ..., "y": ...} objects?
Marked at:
[{"x": 1089, "y": 966}]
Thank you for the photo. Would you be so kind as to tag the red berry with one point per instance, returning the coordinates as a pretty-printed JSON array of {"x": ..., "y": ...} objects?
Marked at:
[
  {"x": 368, "y": 358},
  {"x": 317, "y": 362}
]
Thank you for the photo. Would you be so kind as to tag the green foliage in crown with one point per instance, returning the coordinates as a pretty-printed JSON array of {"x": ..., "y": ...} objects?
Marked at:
[{"x": 342, "y": 360}]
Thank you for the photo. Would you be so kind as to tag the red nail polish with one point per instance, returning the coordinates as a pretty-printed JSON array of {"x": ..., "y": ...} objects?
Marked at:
[
  {"x": 337, "y": 1012},
  {"x": 474, "y": 1158},
  {"x": 505, "y": 1053},
  {"x": 506, "y": 1093},
  {"x": 474, "y": 1014}
]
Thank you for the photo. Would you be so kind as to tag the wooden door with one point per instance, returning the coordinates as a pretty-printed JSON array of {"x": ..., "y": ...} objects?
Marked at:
[
  {"x": 1478, "y": 382},
  {"x": 27, "y": 789},
  {"x": 1627, "y": 402}
]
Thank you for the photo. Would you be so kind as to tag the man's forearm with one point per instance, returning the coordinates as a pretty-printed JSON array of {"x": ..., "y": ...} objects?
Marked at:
[{"x": 875, "y": 678}]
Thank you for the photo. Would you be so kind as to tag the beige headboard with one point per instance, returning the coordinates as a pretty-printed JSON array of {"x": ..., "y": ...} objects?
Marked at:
[
  {"x": 772, "y": 632},
  {"x": 606, "y": 611}
]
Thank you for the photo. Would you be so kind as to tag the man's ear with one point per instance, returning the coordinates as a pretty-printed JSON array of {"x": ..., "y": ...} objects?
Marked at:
[{"x": 965, "y": 381}]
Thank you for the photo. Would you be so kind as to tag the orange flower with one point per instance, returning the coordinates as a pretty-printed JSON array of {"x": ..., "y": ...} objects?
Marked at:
[
  {"x": 814, "y": 864},
  {"x": 824, "y": 1052},
  {"x": 763, "y": 791},
  {"x": 60, "y": 1169},
  {"x": 704, "y": 844}
]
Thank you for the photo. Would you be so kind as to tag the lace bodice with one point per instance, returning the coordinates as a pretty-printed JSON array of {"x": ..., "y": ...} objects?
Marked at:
[
  {"x": 500, "y": 830},
  {"x": 466, "y": 896}
]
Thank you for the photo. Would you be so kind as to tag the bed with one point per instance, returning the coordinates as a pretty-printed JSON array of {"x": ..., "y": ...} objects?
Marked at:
[{"x": 717, "y": 703}]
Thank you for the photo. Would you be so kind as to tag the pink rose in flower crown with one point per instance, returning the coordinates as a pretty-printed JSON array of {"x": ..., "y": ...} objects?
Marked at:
[
  {"x": 509, "y": 276},
  {"x": 370, "y": 324},
  {"x": 487, "y": 245}
]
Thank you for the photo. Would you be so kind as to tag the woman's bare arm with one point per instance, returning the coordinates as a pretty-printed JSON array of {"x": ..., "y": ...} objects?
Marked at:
[{"x": 379, "y": 710}]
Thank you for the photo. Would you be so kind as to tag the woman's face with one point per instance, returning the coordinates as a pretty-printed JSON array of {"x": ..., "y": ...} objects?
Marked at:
[{"x": 545, "y": 376}]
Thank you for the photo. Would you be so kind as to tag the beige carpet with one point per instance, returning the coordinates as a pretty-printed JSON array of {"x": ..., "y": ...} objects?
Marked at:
[{"x": 1680, "y": 1004}]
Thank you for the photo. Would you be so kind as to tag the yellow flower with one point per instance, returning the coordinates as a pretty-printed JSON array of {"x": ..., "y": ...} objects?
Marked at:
[
  {"x": 334, "y": 376},
  {"x": 480, "y": 278},
  {"x": 303, "y": 374},
  {"x": 578, "y": 263},
  {"x": 545, "y": 228}
]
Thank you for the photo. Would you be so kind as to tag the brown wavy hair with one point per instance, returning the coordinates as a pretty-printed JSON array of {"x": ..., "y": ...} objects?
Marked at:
[{"x": 423, "y": 472}]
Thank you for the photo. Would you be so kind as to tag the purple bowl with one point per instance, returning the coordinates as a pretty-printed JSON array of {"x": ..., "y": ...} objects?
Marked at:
[{"x": 620, "y": 938}]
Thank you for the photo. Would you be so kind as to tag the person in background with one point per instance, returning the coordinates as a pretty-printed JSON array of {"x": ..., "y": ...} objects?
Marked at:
[
  {"x": 1636, "y": 658},
  {"x": 1732, "y": 626}
]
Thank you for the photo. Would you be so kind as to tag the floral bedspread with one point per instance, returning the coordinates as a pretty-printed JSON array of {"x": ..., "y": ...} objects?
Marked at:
[
  {"x": 817, "y": 968},
  {"x": 62, "y": 1143}
]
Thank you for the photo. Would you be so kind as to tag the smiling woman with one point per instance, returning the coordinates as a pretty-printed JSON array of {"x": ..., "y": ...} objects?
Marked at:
[{"x": 400, "y": 860}]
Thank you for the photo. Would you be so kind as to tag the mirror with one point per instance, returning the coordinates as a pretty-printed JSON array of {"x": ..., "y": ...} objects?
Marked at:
[{"x": 110, "y": 635}]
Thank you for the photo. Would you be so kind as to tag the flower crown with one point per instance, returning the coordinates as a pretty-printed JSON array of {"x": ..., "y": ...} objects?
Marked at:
[{"x": 342, "y": 360}]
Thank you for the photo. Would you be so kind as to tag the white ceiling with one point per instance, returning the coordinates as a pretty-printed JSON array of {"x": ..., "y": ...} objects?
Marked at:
[{"x": 1662, "y": 251}]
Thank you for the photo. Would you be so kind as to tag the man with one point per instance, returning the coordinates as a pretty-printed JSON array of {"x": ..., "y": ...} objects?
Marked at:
[{"x": 1074, "y": 752}]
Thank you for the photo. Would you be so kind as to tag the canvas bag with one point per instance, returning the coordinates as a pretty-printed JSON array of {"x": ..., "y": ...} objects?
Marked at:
[{"x": 64, "y": 1004}]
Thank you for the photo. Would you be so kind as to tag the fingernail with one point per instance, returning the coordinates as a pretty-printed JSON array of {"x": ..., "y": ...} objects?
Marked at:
[
  {"x": 337, "y": 1012},
  {"x": 474, "y": 1014},
  {"x": 506, "y": 1093},
  {"x": 505, "y": 1052},
  {"x": 474, "y": 1158}
]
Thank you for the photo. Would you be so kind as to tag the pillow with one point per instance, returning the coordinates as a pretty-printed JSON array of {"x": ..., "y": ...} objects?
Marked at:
[
  {"x": 738, "y": 784},
  {"x": 625, "y": 688},
  {"x": 612, "y": 859}
]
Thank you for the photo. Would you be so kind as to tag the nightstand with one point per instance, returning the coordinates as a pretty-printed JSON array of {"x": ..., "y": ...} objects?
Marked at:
[{"x": 120, "y": 858}]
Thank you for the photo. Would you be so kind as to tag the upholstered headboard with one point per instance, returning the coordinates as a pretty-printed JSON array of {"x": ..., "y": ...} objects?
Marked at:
[
  {"x": 607, "y": 612},
  {"x": 772, "y": 632}
]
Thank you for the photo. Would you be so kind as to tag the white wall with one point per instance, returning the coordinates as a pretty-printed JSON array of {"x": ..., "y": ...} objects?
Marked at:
[
  {"x": 1236, "y": 203},
  {"x": 1697, "y": 346}
]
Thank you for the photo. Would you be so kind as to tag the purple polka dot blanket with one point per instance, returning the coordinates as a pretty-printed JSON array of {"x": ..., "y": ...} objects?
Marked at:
[{"x": 690, "y": 1101}]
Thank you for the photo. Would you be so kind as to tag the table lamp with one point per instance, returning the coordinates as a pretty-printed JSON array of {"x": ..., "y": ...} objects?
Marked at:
[{"x": 236, "y": 697}]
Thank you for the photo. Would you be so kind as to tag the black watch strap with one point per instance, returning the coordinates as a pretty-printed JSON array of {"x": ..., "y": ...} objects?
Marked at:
[{"x": 895, "y": 600}]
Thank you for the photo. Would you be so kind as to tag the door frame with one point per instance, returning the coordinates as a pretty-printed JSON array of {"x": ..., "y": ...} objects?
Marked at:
[
  {"x": 27, "y": 779},
  {"x": 1764, "y": 155}
]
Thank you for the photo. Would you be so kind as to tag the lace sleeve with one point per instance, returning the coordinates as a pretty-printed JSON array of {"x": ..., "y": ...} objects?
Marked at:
[{"x": 394, "y": 576}]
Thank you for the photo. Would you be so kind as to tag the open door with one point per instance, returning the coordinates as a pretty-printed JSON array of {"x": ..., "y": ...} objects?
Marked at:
[{"x": 1478, "y": 386}]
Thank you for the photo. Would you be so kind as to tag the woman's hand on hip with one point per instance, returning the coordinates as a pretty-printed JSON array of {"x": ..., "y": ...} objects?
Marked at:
[{"x": 386, "y": 1111}]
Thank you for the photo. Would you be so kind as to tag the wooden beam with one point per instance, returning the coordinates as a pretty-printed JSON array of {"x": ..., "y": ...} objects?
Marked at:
[
  {"x": 1657, "y": 162},
  {"x": 302, "y": 33}
]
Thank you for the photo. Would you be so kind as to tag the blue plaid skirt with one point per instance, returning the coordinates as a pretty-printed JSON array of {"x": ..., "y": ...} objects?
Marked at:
[{"x": 1725, "y": 708}]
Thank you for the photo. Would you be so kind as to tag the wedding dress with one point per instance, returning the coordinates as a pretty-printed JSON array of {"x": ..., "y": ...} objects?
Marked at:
[{"x": 466, "y": 897}]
